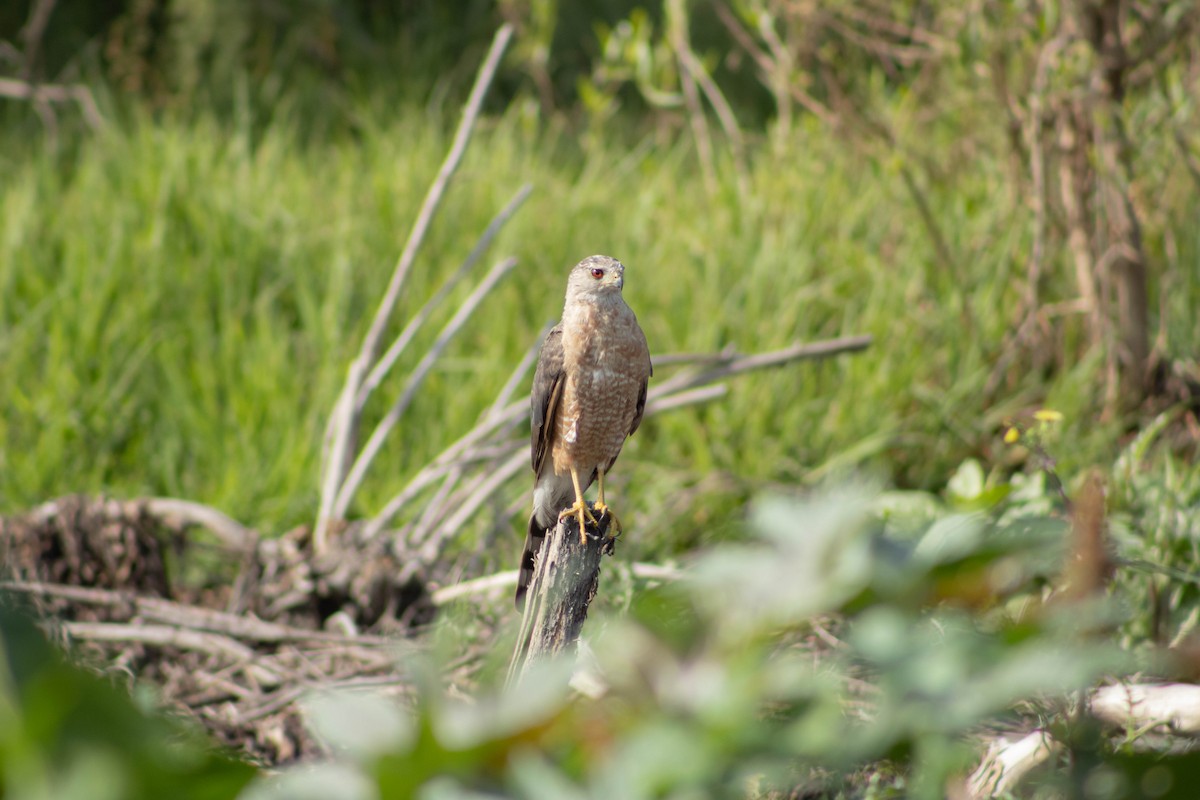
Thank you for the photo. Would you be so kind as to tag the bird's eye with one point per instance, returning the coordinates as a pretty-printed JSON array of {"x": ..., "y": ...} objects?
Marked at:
[{"x": 597, "y": 273}]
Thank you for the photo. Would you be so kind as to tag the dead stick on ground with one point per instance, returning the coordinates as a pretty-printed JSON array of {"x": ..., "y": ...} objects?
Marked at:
[
  {"x": 156, "y": 609},
  {"x": 504, "y": 580},
  {"x": 563, "y": 586},
  {"x": 1170, "y": 708},
  {"x": 163, "y": 636},
  {"x": 170, "y": 512}
]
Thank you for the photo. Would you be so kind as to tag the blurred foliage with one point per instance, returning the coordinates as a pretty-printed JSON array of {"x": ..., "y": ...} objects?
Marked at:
[
  {"x": 67, "y": 734},
  {"x": 718, "y": 687},
  {"x": 947, "y": 622}
]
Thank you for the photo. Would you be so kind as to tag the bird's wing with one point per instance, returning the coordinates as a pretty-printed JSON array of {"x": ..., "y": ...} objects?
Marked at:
[
  {"x": 548, "y": 382},
  {"x": 640, "y": 408},
  {"x": 641, "y": 400}
]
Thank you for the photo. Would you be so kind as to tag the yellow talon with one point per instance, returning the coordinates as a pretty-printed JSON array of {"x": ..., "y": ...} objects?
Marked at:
[
  {"x": 579, "y": 509},
  {"x": 581, "y": 512},
  {"x": 602, "y": 509}
]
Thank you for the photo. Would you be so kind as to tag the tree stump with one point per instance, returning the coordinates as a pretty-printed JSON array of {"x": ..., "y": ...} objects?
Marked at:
[{"x": 563, "y": 586}]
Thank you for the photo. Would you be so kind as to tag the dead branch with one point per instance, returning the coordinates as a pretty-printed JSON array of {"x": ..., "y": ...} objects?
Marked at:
[
  {"x": 503, "y": 581},
  {"x": 690, "y": 397},
  {"x": 677, "y": 34},
  {"x": 697, "y": 75},
  {"x": 359, "y": 470},
  {"x": 339, "y": 455},
  {"x": 93, "y": 569},
  {"x": 28, "y": 85},
  {"x": 1007, "y": 761},
  {"x": 168, "y": 612},
  {"x": 1172, "y": 708},
  {"x": 731, "y": 364},
  {"x": 45, "y": 93},
  {"x": 170, "y": 512},
  {"x": 776, "y": 68},
  {"x": 496, "y": 455},
  {"x": 162, "y": 636},
  {"x": 563, "y": 587},
  {"x": 397, "y": 348}
]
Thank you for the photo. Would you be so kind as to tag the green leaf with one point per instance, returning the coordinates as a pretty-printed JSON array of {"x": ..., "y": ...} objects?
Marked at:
[
  {"x": 360, "y": 724},
  {"x": 326, "y": 781},
  {"x": 967, "y": 482}
]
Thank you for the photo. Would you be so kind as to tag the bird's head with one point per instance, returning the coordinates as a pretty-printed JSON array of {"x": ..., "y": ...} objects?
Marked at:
[{"x": 596, "y": 277}]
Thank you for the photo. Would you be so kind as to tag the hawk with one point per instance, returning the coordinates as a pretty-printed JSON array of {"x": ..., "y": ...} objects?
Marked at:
[{"x": 589, "y": 393}]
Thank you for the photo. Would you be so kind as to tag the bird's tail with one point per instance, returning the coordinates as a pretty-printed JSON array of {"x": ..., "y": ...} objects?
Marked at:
[{"x": 533, "y": 545}]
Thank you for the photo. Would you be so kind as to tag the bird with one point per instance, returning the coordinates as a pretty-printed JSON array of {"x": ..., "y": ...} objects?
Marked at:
[{"x": 588, "y": 396}]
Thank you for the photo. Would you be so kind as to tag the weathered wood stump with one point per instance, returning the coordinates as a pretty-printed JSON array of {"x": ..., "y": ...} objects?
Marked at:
[{"x": 564, "y": 584}]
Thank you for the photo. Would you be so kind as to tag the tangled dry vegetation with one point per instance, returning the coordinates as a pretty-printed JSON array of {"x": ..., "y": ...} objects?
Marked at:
[{"x": 235, "y": 656}]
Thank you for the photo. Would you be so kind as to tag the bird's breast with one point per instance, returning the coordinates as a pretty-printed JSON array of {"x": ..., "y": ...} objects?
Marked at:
[{"x": 605, "y": 364}]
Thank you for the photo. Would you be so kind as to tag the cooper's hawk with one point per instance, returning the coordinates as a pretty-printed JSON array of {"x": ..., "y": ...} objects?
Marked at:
[{"x": 589, "y": 392}]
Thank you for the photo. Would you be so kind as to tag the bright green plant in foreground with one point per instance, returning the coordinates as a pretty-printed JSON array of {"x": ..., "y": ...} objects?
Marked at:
[
  {"x": 714, "y": 688},
  {"x": 948, "y": 623}
]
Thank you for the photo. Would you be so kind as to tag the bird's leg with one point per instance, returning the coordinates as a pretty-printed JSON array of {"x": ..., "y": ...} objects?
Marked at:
[
  {"x": 580, "y": 509},
  {"x": 602, "y": 507}
]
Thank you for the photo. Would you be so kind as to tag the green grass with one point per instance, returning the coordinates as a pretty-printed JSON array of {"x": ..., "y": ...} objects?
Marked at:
[{"x": 179, "y": 300}]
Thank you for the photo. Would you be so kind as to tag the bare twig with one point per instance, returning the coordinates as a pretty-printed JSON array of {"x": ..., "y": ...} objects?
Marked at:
[
  {"x": 156, "y": 609},
  {"x": 736, "y": 364},
  {"x": 487, "y": 487},
  {"x": 688, "y": 387},
  {"x": 1173, "y": 706},
  {"x": 161, "y": 636},
  {"x": 406, "y": 336},
  {"x": 176, "y": 513},
  {"x": 168, "y": 511},
  {"x": 499, "y": 406},
  {"x": 289, "y": 695},
  {"x": 691, "y": 66},
  {"x": 775, "y": 73},
  {"x": 55, "y": 93},
  {"x": 355, "y": 477},
  {"x": 339, "y": 455},
  {"x": 677, "y": 32},
  {"x": 504, "y": 581},
  {"x": 702, "y": 394},
  {"x": 32, "y": 33},
  {"x": 674, "y": 359},
  {"x": 1007, "y": 761},
  {"x": 499, "y": 581},
  {"x": 447, "y": 461}
]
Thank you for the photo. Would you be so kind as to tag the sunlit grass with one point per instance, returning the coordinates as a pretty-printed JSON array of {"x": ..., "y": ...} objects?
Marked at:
[{"x": 179, "y": 301}]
